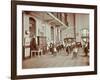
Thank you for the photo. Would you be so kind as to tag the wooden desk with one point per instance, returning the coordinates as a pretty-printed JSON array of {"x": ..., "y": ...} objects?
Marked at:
[{"x": 36, "y": 52}]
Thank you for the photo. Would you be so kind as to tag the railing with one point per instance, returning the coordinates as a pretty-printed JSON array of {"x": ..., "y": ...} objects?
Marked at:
[
  {"x": 54, "y": 16},
  {"x": 61, "y": 16}
]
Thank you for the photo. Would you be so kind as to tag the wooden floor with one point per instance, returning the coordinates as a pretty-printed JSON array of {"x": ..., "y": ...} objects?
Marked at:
[{"x": 59, "y": 60}]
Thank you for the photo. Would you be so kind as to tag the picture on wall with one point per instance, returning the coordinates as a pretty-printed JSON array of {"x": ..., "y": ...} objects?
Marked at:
[{"x": 53, "y": 39}]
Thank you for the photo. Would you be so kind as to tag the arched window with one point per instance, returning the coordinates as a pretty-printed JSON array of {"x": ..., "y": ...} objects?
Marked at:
[{"x": 32, "y": 27}]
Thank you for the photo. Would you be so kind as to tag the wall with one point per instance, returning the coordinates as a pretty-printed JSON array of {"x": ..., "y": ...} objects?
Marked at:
[
  {"x": 69, "y": 31},
  {"x": 82, "y": 22},
  {"x": 42, "y": 28},
  {"x": 79, "y": 21},
  {"x": 5, "y": 40},
  {"x": 26, "y": 41}
]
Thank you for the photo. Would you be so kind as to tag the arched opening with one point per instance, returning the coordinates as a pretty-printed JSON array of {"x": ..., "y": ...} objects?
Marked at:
[
  {"x": 32, "y": 30},
  {"x": 32, "y": 27}
]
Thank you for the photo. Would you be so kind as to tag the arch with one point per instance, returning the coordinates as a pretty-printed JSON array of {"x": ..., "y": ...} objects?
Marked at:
[{"x": 32, "y": 27}]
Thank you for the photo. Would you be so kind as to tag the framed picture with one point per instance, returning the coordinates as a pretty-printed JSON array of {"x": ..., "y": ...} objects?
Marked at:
[{"x": 53, "y": 39}]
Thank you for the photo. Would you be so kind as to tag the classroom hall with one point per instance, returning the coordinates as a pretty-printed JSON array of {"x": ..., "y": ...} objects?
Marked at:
[{"x": 54, "y": 39}]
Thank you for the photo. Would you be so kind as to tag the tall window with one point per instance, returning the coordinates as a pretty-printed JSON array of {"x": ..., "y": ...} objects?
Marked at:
[
  {"x": 52, "y": 33},
  {"x": 60, "y": 35},
  {"x": 66, "y": 22}
]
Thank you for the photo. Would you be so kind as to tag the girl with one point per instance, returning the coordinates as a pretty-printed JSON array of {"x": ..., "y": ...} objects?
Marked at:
[{"x": 75, "y": 51}]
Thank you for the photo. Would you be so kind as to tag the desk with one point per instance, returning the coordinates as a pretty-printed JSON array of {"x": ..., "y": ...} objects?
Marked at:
[{"x": 36, "y": 52}]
